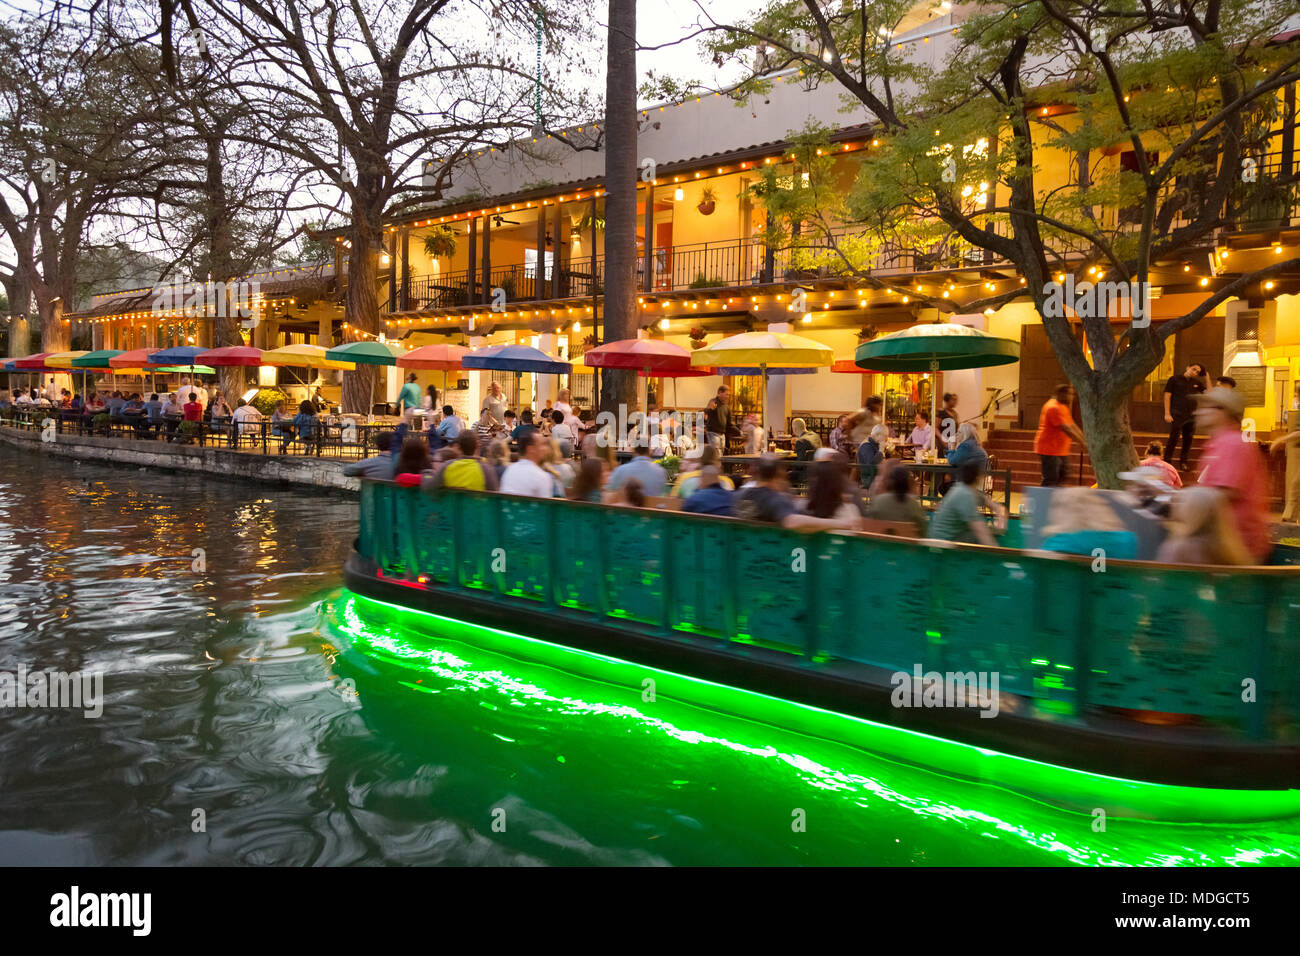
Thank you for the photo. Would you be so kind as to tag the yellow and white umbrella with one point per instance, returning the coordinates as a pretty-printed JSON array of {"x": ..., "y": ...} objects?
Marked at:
[
  {"x": 765, "y": 350},
  {"x": 303, "y": 356}
]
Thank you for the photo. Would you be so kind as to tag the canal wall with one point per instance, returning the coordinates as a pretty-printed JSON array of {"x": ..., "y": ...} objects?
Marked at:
[{"x": 209, "y": 461}]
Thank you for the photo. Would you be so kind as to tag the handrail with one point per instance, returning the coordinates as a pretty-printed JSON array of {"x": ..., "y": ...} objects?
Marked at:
[{"x": 1137, "y": 635}]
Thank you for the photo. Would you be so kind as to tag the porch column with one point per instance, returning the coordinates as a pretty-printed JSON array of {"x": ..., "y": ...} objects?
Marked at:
[
  {"x": 558, "y": 245},
  {"x": 648, "y": 280},
  {"x": 406, "y": 269},
  {"x": 776, "y": 412},
  {"x": 478, "y": 382},
  {"x": 487, "y": 258},
  {"x": 539, "y": 276},
  {"x": 471, "y": 275},
  {"x": 546, "y": 384}
]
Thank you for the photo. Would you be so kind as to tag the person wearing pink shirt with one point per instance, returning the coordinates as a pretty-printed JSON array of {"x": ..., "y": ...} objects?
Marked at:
[
  {"x": 1168, "y": 473},
  {"x": 1235, "y": 466}
]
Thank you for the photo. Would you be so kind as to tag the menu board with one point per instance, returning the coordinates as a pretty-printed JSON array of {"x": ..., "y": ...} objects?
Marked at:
[
  {"x": 1250, "y": 382},
  {"x": 458, "y": 399}
]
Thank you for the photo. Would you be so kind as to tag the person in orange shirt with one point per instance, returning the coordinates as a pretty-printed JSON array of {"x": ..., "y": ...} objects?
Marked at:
[{"x": 1052, "y": 440}]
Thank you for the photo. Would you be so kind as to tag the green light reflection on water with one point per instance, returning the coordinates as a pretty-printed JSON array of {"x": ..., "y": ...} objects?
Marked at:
[{"x": 384, "y": 633}]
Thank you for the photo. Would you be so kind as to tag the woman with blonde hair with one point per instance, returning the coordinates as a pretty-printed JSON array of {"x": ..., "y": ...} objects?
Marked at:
[
  {"x": 498, "y": 455},
  {"x": 1201, "y": 530},
  {"x": 558, "y": 467},
  {"x": 1079, "y": 521}
]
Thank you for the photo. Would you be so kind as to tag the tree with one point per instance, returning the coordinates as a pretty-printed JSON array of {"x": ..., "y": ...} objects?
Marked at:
[
  {"x": 619, "y": 386},
  {"x": 1189, "y": 91},
  {"x": 69, "y": 115},
  {"x": 380, "y": 101},
  {"x": 220, "y": 204}
]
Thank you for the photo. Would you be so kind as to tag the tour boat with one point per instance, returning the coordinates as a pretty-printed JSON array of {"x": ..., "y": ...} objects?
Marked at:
[{"x": 1142, "y": 689}]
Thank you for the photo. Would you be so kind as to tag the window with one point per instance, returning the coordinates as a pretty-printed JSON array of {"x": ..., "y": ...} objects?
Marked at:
[{"x": 530, "y": 263}]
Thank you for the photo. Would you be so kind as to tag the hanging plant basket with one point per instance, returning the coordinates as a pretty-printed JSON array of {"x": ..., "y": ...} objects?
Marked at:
[
  {"x": 867, "y": 333},
  {"x": 708, "y": 202},
  {"x": 697, "y": 335}
]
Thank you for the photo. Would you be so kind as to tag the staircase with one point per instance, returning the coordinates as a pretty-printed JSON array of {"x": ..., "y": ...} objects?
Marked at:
[{"x": 1014, "y": 448}]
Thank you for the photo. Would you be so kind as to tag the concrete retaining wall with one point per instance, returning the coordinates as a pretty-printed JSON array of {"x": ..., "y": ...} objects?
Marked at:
[{"x": 214, "y": 462}]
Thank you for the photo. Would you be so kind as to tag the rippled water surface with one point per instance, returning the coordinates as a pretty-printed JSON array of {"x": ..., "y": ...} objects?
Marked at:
[{"x": 236, "y": 730}]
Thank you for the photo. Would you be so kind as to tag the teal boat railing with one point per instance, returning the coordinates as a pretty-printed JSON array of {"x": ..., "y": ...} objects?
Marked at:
[{"x": 1068, "y": 633}]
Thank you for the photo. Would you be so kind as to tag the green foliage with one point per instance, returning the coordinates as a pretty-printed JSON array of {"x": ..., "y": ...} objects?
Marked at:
[
  {"x": 703, "y": 282},
  {"x": 440, "y": 242},
  {"x": 265, "y": 399}
]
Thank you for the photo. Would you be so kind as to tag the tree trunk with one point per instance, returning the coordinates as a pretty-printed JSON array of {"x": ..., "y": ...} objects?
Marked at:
[
  {"x": 1104, "y": 420},
  {"x": 55, "y": 335},
  {"x": 619, "y": 387},
  {"x": 221, "y": 266},
  {"x": 361, "y": 309},
  {"x": 19, "y": 294}
]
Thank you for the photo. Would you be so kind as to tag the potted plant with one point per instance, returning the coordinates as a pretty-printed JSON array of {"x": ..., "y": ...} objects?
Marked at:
[
  {"x": 440, "y": 243},
  {"x": 671, "y": 464},
  {"x": 867, "y": 333},
  {"x": 701, "y": 281},
  {"x": 697, "y": 337},
  {"x": 708, "y": 201},
  {"x": 186, "y": 432},
  {"x": 100, "y": 423}
]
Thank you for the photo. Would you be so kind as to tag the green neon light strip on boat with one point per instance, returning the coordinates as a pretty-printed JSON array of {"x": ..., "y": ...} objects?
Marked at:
[{"x": 1061, "y": 787}]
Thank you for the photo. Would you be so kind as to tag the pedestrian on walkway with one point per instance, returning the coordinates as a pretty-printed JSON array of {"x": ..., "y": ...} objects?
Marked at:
[{"x": 1056, "y": 429}]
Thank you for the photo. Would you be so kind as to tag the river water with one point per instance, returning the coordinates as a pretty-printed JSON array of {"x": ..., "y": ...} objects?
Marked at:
[{"x": 234, "y": 732}]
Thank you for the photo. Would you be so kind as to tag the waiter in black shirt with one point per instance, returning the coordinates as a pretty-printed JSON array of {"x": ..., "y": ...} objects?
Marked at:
[{"x": 1180, "y": 403}]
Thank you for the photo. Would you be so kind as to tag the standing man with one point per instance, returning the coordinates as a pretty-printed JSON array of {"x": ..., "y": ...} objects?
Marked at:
[
  {"x": 1180, "y": 408},
  {"x": 945, "y": 429},
  {"x": 52, "y": 392},
  {"x": 409, "y": 396},
  {"x": 1056, "y": 428},
  {"x": 1234, "y": 466},
  {"x": 494, "y": 403},
  {"x": 864, "y": 422},
  {"x": 717, "y": 419}
]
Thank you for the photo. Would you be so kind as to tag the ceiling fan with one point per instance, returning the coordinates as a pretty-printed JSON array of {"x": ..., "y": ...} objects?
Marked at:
[{"x": 501, "y": 220}]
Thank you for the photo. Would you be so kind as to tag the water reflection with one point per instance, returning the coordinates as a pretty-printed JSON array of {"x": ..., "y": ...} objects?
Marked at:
[{"x": 224, "y": 703}]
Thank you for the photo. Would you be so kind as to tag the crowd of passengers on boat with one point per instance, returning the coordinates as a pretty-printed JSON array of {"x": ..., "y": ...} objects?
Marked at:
[{"x": 862, "y": 480}]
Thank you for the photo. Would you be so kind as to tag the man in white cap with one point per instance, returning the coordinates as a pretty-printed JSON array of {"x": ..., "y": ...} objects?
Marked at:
[{"x": 1234, "y": 465}]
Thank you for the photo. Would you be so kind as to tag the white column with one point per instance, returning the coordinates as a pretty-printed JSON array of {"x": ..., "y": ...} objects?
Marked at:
[
  {"x": 547, "y": 386},
  {"x": 777, "y": 410},
  {"x": 478, "y": 380}
]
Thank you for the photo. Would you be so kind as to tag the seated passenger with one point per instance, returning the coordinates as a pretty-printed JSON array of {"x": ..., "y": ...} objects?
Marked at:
[
  {"x": 710, "y": 496},
  {"x": 767, "y": 500},
  {"x": 1168, "y": 473},
  {"x": 895, "y": 502},
  {"x": 467, "y": 471},
  {"x": 827, "y": 492},
  {"x": 969, "y": 448},
  {"x": 628, "y": 494},
  {"x": 958, "y": 517},
  {"x": 1079, "y": 521},
  {"x": 1202, "y": 530},
  {"x": 871, "y": 454},
  {"x": 806, "y": 443}
]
